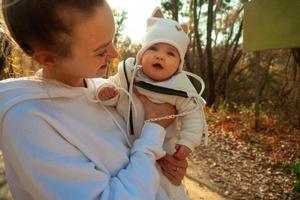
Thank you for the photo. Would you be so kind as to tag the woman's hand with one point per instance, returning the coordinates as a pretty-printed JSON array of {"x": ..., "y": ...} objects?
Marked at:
[
  {"x": 174, "y": 169},
  {"x": 154, "y": 110}
]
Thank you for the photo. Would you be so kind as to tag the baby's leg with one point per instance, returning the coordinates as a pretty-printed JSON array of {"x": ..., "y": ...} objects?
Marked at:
[{"x": 174, "y": 192}]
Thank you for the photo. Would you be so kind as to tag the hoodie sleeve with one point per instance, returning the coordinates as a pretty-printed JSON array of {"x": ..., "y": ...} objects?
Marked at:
[{"x": 49, "y": 167}]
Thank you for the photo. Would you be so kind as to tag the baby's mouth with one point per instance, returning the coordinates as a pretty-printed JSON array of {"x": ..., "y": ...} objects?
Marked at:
[{"x": 157, "y": 66}]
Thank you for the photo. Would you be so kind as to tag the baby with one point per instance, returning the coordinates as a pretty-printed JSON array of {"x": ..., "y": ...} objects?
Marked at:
[{"x": 157, "y": 73}]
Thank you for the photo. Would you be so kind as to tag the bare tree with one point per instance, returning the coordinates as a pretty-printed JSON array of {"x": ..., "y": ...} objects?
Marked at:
[
  {"x": 195, "y": 61},
  {"x": 210, "y": 64},
  {"x": 172, "y": 7}
]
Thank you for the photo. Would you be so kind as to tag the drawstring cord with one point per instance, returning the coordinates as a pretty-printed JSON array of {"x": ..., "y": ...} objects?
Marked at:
[
  {"x": 198, "y": 78},
  {"x": 92, "y": 98},
  {"x": 118, "y": 125},
  {"x": 200, "y": 99},
  {"x": 205, "y": 127},
  {"x": 172, "y": 116},
  {"x": 96, "y": 100},
  {"x": 130, "y": 94}
]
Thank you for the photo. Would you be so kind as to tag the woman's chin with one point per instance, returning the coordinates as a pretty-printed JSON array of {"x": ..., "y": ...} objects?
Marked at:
[{"x": 101, "y": 71}]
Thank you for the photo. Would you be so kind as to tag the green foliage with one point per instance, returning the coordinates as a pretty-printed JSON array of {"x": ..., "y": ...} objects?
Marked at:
[
  {"x": 222, "y": 106},
  {"x": 172, "y": 7},
  {"x": 295, "y": 169},
  {"x": 120, "y": 18},
  {"x": 226, "y": 106},
  {"x": 169, "y": 5}
]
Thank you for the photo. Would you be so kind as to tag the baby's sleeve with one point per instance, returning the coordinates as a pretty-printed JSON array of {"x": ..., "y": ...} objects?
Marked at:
[
  {"x": 193, "y": 124},
  {"x": 112, "y": 81}
]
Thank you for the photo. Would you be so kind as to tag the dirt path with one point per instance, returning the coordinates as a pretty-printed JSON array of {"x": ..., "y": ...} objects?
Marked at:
[
  {"x": 198, "y": 185},
  {"x": 237, "y": 170},
  {"x": 4, "y": 191}
]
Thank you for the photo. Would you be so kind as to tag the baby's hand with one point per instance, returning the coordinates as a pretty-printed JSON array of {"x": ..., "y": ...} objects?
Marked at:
[
  {"x": 107, "y": 93},
  {"x": 182, "y": 152}
]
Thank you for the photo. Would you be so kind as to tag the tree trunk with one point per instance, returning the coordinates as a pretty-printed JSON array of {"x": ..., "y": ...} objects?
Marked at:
[
  {"x": 197, "y": 64},
  {"x": 295, "y": 94},
  {"x": 257, "y": 92},
  {"x": 224, "y": 72},
  {"x": 176, "y": 10},
  {"x": 210, "y": 65},
  {"x": 197, "y": 37}
]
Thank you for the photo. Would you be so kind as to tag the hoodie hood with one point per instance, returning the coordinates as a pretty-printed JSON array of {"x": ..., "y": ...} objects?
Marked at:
[{"x": 15, "y": 91}]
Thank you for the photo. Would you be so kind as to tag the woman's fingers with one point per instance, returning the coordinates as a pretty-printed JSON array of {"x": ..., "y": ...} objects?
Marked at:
[
  {"x": 143, "y": 98},
  {"x": 173, "y": 169},
  {"x": 167, "y": 165},
  {"x": 171, "y": 160},
  {"x": 175, "y": 176},
  {"x": 156, "y": 110}
]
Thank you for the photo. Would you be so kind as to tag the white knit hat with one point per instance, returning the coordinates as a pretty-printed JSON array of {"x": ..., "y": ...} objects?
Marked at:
[{"x": 161, "y": 30}]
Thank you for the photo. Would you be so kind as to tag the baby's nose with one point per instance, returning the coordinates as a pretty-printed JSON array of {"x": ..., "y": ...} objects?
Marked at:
[{"x": 159, "y": 56}]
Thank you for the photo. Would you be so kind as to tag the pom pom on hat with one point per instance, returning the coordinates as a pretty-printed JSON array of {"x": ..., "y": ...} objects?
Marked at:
[{"x": 161, "y": 30}]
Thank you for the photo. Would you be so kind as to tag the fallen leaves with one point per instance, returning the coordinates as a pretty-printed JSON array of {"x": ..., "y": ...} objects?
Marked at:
[{"x": 244, "y": 164}]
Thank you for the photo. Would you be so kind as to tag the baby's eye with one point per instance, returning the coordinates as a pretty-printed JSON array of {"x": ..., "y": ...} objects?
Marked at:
[
  {"x": 170, "y": 53},
  {"x": 153, "y": 48}
]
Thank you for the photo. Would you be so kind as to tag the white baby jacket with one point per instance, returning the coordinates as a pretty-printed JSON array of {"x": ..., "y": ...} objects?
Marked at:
[{"x": 182, "y": 94}]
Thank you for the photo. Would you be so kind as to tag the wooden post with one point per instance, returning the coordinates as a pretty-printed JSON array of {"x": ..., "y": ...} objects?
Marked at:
[{"x": 257, "y": 90}]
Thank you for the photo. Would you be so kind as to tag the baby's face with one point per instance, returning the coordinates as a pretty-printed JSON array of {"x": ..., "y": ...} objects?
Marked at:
[{"x": 160, "y": 61}]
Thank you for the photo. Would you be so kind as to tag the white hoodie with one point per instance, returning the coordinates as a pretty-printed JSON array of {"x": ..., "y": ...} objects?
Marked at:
[{"x": 58, "y": 145}]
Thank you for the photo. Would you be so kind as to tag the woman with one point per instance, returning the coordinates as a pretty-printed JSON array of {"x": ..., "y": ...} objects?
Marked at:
[{"x": 56, "y": 143}]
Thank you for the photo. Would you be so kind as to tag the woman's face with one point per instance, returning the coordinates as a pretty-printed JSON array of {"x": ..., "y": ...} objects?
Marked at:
[{"x": 91, "y": 49}]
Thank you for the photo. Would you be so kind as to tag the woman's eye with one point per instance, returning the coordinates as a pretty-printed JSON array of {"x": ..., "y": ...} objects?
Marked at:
[{"x": 102, "y": 54}]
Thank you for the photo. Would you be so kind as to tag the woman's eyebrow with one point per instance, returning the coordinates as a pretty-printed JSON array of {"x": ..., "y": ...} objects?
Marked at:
[{"x": 102, "y": 46}]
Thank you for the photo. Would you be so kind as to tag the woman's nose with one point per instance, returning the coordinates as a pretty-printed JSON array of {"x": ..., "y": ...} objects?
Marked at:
[{"x": 112, "y": 53}]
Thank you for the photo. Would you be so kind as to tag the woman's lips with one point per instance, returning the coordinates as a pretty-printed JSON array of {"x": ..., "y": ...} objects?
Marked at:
[{"x": 103, "y": 66}]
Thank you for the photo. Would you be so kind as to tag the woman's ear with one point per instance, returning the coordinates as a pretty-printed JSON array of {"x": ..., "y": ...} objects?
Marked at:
[
  {"x": 185, "y": 27},
  {"x": 45, "y": 58},
  {"x": 157, "y": 13}
]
